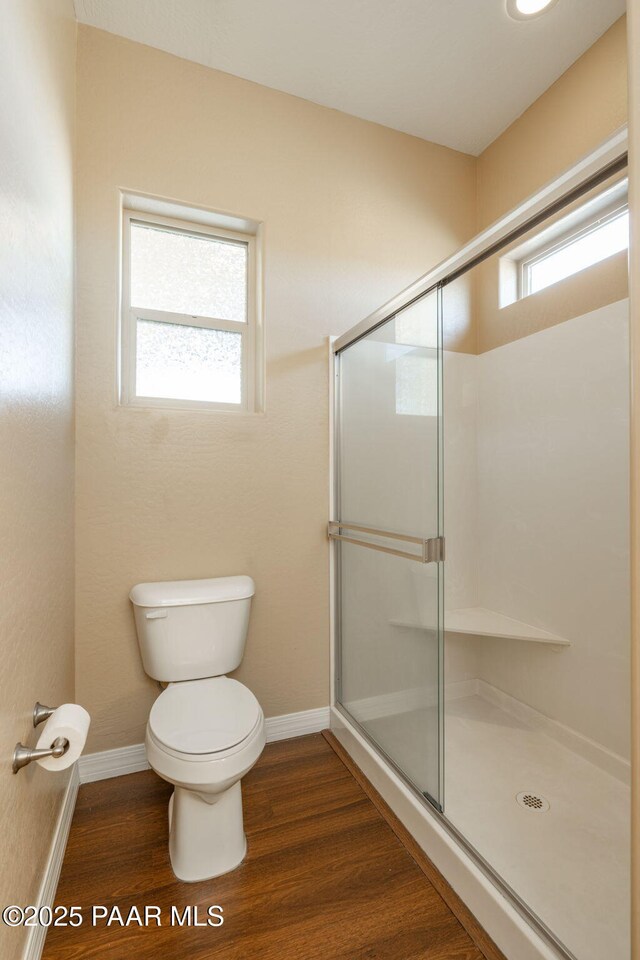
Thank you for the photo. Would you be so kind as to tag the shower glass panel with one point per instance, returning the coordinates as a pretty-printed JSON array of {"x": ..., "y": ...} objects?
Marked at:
[
  {"x": 388, "y": 482},
  {"x": 536, "y": 393},
  {"x": 525, "y": 749}
]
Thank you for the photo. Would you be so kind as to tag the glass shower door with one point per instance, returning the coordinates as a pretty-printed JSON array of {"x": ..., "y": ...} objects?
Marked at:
[{"x": 388, "y": 531}]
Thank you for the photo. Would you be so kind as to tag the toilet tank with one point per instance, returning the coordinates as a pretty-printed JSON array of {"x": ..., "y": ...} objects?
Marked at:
[{"x": 190, "y": 629}]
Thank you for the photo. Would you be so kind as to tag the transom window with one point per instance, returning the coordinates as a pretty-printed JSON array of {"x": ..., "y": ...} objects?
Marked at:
[
  {"x": 590, "y": 233},
  {"x": 189, "y": 315},
  {"x": 597, "y": 241}
]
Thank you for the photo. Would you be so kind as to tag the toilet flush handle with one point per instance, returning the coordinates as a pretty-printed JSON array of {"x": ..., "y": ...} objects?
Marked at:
[{"x": 156, "y": 614}]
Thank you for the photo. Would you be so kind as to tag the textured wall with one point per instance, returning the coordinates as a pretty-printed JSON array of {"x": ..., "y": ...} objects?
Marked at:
[
  {"x": 581, "y": 109},
  {"x": 352, "y": 212},
  {"x": 37, "y": 59}
]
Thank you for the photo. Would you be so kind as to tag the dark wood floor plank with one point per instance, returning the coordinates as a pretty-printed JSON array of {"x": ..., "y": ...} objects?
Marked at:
[
  {"x": 325, "y": 877},
  {"x": 477, "y": 933}
]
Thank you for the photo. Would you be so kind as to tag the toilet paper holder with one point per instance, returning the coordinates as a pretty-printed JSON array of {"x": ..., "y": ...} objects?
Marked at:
[
  {"x": 41, "y": 713},
  {"x": 24, "y": 755}
]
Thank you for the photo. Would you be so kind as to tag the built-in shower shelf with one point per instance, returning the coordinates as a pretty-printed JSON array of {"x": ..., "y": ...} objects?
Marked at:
[
  {"x": 481, "y": 622},
  {"x": 488, "y": 623}
]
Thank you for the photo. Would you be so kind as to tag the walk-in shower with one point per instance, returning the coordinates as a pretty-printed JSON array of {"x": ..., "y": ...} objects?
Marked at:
[{"x": 481, "y": 561}]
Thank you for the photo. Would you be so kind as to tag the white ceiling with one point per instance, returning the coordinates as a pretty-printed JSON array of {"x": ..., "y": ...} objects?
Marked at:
[{"x": 456, "y": 72}]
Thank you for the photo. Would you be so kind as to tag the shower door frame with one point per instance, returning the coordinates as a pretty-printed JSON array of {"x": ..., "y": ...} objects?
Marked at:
[
  {"x": 608, "y": 159},
  {"x": 434, "y": 548}
]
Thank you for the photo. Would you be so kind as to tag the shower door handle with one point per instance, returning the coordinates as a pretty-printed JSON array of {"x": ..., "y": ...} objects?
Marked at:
[{"x": 431, "y": 550}]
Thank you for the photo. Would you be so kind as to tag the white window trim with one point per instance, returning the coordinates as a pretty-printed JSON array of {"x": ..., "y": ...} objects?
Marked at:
[
  {"x": 514, "y": 265},
  {"x": 549, "y": 249},
  {"x": 249, "y": 329}
]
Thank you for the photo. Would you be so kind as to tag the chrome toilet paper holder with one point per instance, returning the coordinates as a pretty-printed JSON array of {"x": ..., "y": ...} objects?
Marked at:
[{"x": 22, "y": 755}]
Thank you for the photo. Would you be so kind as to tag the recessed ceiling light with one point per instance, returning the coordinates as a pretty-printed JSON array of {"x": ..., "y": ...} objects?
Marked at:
[{"x": 528, "y": 9}]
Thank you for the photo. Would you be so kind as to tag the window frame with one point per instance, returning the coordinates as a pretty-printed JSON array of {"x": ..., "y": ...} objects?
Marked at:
[
  {"x": 131, "y": 314},
  {"x": 548, "y": 249}
]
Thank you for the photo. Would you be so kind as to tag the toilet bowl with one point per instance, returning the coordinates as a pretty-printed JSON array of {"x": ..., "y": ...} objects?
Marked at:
[
  {"x": 203, "y": 736},
  {"x": 205, "y": 730}
]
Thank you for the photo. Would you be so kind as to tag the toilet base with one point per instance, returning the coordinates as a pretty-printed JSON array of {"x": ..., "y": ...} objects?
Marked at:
[{"x": 206, "y": 833}]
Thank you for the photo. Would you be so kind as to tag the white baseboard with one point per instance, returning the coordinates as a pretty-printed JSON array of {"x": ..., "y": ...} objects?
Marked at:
[
  {"x": 297, "y": 724},
  {"x": 132, "y": 759},
  {"x": 112, "y": 763},
  {"x": 46, "y": 895}
]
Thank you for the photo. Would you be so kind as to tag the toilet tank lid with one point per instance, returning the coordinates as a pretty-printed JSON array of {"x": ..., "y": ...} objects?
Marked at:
[{"x": 183, "y": 593}]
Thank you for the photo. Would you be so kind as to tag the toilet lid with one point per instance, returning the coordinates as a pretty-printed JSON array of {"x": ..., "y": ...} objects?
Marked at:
[{"x": 204, "y": 716}]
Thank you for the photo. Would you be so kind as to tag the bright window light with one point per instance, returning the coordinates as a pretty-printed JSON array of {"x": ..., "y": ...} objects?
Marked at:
[
  {"x": 577, "y": 253},
  {"x": 204, "y": 276},
  {"x": 189, "y": 332},
  {"x": 179, "y": 362}
]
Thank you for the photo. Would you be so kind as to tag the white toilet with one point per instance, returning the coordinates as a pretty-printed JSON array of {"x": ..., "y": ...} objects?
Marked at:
[{"x": 205, "y": 731}]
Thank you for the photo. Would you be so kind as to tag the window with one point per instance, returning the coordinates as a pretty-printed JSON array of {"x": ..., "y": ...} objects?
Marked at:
[
  {"x": 596, "y": 242},
  {"x": 591, "y": 232},
  {"x": 189, "y": 315}
]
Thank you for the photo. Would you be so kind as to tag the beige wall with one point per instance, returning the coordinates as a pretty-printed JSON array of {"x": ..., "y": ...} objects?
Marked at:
[
  {"x": 37, "y": 59},
  {"x": 352, "y": 213},
  {"x": 583, "y": 107}
]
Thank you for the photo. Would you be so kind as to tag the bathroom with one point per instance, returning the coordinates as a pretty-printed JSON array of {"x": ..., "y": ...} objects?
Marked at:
[{"x": 394, "y": 162}]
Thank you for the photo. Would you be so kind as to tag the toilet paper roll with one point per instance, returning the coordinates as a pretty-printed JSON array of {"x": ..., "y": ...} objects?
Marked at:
[{"x": 72, "y": 722}]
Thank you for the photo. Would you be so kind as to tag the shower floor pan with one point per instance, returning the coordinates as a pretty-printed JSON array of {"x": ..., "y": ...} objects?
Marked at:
[{"x": 551, "y": 823}]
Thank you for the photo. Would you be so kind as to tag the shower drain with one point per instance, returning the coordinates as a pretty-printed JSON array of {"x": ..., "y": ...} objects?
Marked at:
[{"x": 532, "y": 801}]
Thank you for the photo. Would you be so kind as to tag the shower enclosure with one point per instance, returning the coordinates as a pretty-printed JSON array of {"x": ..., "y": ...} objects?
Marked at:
[{"x": 481, "y": 561}]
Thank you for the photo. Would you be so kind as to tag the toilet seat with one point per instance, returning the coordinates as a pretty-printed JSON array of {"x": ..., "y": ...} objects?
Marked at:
[{"x": 202, "y": 719}]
